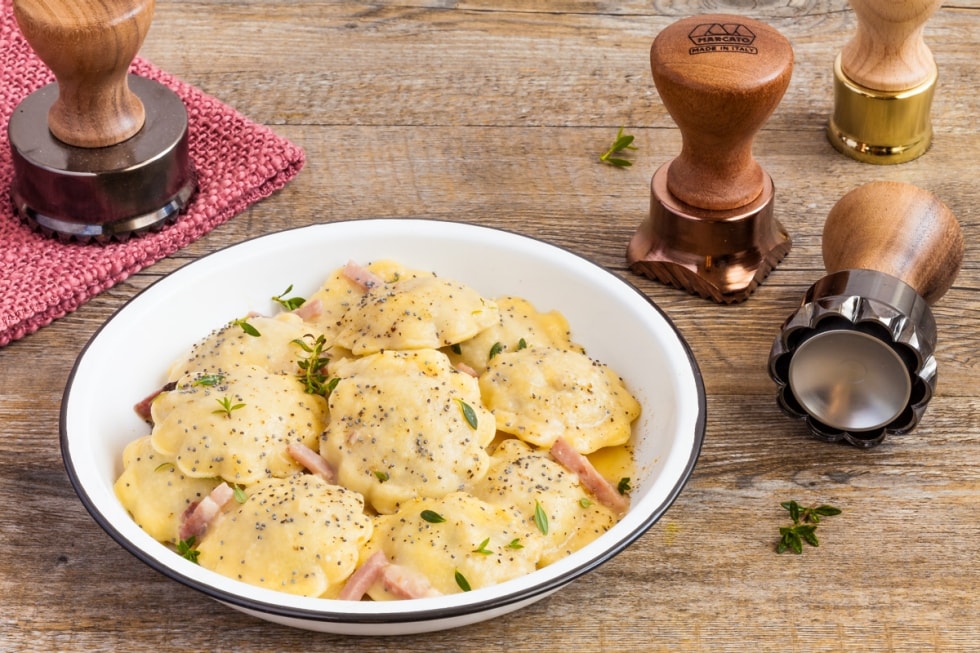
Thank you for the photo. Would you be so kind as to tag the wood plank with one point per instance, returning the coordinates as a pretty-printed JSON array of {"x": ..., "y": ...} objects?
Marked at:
[{"x": 495, "y": 113}]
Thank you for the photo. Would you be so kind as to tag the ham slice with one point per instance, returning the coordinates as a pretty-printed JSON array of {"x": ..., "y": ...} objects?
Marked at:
[
  {"x": 400, "y": 581},
  {"x": 360, "y": 276},
  {"x": 366, "y": 575},
  {"x": 312, "y": 461},
  {"x": 143, "y": 407},
  {"x": 200, "y": 515},
  {"x": 310, "y": 310},
  {"x": 588, "y": 476},
  {"x": 406, "y": 583}
]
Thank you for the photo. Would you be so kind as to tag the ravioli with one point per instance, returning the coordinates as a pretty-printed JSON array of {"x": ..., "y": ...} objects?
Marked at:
[
  {"x": 232, "y": 347},
  {"x": 399, "y": 429},
  {"x": 540, "y": 394},
  {"x": 482, "y": 543},
  {"x": 528, "y": 479},
  {"x": 520, "y": 325},
  {"x": 424, "y": 312},
  {"x": 338, "y": 293},
  {"x": 442, "y": 429},
  {"x": 155, "y": 492},
  {"x": 239, "y": 429},
  {"x": 297, "y": 534}
]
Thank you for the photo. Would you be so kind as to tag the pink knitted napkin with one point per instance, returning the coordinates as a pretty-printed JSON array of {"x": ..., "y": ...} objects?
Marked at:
[{"x": 238, "y": 163}]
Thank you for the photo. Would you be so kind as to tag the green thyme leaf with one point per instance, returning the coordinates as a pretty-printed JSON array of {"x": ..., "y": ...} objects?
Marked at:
[
  {"x": 623, "y": 487},
  {"x": 585, "y": 502},
  {"x": 482, "y": 549},
  {"x": 521, "y": 344},
  {"x": 239, "y": 493},
  {"x": 494, "y": 350},
  {"x": 432, "y": 517},
  {"x": 794, "y": 510},
  {"x": 620, "y": 143},
  {"x": 209, "y": 380},
  {"x": 808, "y": 534},
  {"x": 382, "y": 476},
  {"x": 515, "y": 544},
  {"x": 468, "y": 413},
  {"x": 827, "y": 511},
  {"x": 246, "y": 327},
  {"x": 462, "y": 582},
  {"x": 619, "y": 163},
  {"x": 804, "y": 528},
  {"x": 312, "y": 369},
  {"x": 540, "y": 518},
  {"x": 186, "y": 549},
  {"x": 227, "y": 407},
  {"x": 290, "y": 304}
]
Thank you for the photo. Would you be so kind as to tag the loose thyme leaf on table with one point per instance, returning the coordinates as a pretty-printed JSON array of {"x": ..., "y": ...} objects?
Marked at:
[
  {"x": 805, "y": 520},
  {"x": 622, "y": 142}
]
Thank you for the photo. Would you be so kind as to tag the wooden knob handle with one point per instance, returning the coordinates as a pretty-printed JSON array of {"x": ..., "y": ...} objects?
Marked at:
[
  {"x": 887, "y": 52},
  {"x": 898, "y": 229},
  {"x": 89, "y": 46},
  {"x": 720, "y": 77}
]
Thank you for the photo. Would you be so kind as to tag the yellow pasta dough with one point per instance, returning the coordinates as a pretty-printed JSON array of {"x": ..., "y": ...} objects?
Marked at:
[
  {"x": 540, "y": 394},
  {"x": 155, "y": 492},
  {"x": 529, "y": 479},
  {"x": 424, "y": 312},
  {"x": 238, "y": 429},
  {"x": 398, "y": 427},
  {"x": 296, "y": 534},
  {"x": 483, "y": 543},
  {"x": 338, "y": 293},
  {"x": 520, "y": 325},
  {"x": 231, "y": 348}
]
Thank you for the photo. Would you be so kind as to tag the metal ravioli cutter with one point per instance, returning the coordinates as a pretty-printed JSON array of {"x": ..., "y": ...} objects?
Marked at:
[{"x": 856, "y": 360}]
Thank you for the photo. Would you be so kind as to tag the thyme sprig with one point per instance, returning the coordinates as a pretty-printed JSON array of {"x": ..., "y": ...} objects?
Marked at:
[
  {"x": 312, "y": 368},
  {"x": 246, "y": 327},
  {"x": 482, "y": 549},
  {"x": 621, "y": 143},
  {"x": 227, "y": 406},
  {"x": 186, "y": 548},
  {"x": 805, "y": 520},
  {"x": 290, "y": 303}
]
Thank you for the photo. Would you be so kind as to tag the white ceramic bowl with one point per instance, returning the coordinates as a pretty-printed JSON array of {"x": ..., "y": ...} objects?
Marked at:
[{"x": 618, "y": 325}]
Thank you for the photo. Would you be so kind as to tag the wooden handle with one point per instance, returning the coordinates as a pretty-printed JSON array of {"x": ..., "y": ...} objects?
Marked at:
[
  {"x": 720, "y": 77},
  {"x": 89, "y": 45},
  {"x": 898, "y": 229},
  {"x": 887, "y": 52}
]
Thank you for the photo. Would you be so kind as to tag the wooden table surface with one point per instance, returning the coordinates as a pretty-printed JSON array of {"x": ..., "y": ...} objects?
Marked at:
[{"x": 495, "y": 113}]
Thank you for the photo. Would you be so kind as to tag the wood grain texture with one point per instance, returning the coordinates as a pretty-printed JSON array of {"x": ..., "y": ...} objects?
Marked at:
[
  {"x": 720, "y": 76},
  {"x": 887, "y": 52},
  {"x": 895, "y": 228},
  {"x": 495, "y": 113},
  {"x": 89, "y": 47}
]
